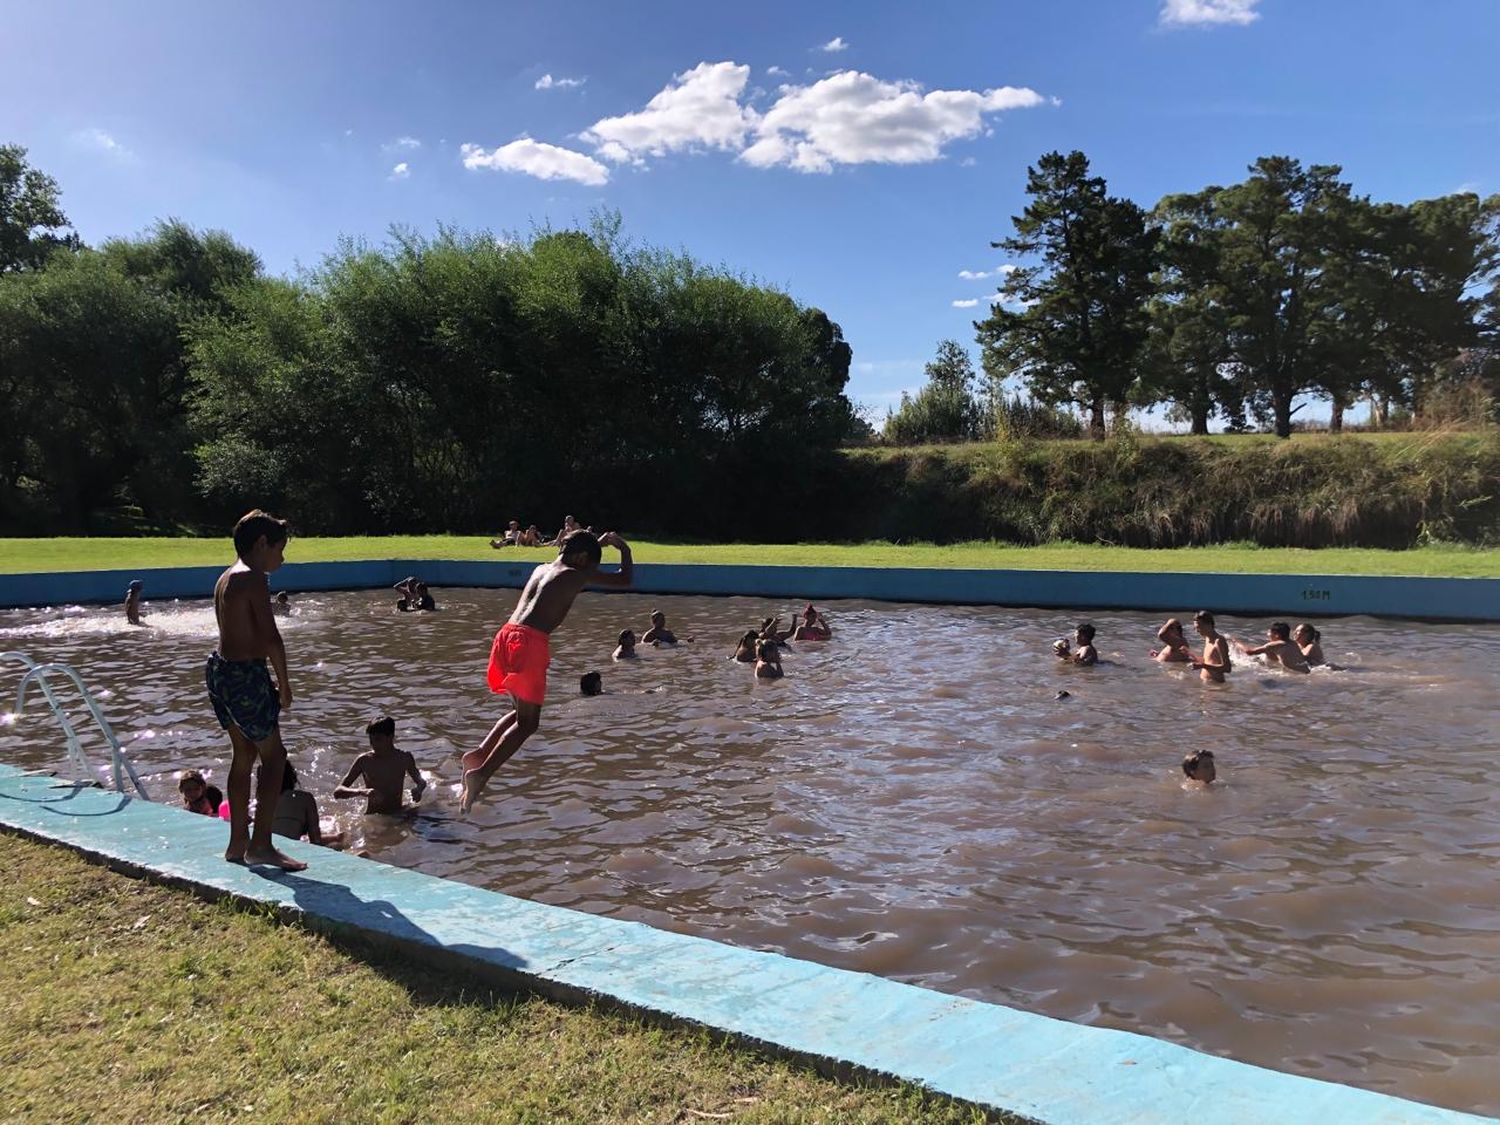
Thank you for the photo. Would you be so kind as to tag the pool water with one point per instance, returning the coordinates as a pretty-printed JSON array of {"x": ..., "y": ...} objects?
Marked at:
[{"x": 913, "y": 800}]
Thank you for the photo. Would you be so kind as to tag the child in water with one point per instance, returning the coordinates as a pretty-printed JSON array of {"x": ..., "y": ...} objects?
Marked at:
[
  {"x": 382, "y": 767},
  {"x": 814, "y": 626},
  {"x": 767, "y": 661},
  {"x": 659, "y": 634},
  {"x": 1310, "y": 642},
  {"x": 1084, "y": 654},
  {"x": 625, "y": 649},
  {"x": 133, "y": 602},
  {"x": 591, "y": 683},
  {"x": 1279, "y": 648},
  {"x": 1215, "y": 660},
  {"x": 744, "y": 649},
  {"x": 195, "y": 794},
  {"x": 1174, "y": 646},
  {"x": 1199, "y": 768},
  {"x": 297, "y": 814}
]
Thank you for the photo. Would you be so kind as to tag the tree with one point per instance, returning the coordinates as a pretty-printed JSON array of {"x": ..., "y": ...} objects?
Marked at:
[
  {"x": 29, "y": 214},
  {"x": 1074, "y": 316},
  {"x": 943, "y": 410}
]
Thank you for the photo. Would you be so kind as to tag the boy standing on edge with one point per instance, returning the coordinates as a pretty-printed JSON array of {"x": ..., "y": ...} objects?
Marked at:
[
  {"x": 245, "y": 701},
  {"x": 519, "y": 656}
]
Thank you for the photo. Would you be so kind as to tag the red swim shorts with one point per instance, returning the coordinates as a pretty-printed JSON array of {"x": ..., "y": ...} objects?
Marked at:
[{"x": 518, "y": 663}]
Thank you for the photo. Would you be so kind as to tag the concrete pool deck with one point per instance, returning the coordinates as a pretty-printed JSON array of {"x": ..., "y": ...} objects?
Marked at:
[
  {"x": 1292, "y": 595},
  {"x": 1040, "y": 1068}
]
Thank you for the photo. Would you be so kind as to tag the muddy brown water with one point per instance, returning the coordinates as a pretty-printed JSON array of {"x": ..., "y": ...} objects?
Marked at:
[{"x": 913, "y": 801}]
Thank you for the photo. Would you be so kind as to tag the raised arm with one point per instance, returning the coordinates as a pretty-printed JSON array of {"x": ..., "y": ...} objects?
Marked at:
[{"x": 626, "y": 574}]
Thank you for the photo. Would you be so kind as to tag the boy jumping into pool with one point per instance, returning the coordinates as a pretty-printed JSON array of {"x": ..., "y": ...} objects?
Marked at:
[
  {"x": 519, "y": 656},
  {"x": 246, "y": 703}
]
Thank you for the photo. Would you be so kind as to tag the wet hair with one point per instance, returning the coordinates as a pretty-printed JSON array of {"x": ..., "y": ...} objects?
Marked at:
[
  {"x": 135, "y": 585},
  {"x": 190, "y": 777},
  {"x": 1199, "y": 765},
  {"x": 281, "y": 596},
  {"x": 627, "y": 633},
  {"x": 765, "y": 650},
  {"x": 591, "y": 683},
  {"x": 809, "y": 612},
  {"x": 252, "y": 526},
  {"x": 581, "y": 542},
  {"x": 655, "y": 613},
  {"x": 1171, "y": 624},
  {"x": 1203, "y": 617},
  {"x": 383, "y": 725},
  {"x": 214, "y": 796},
  {"x": 1280, "y": 630},
  {"x": 421, "y": 587},
  {"x": 288, "y": 776},
  {"x": 1316, "y": 636},
  {"x": 1086, "y": 631}
]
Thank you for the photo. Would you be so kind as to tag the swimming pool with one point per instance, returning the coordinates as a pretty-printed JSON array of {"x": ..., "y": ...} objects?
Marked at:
[{"x": 912, "y": 800}]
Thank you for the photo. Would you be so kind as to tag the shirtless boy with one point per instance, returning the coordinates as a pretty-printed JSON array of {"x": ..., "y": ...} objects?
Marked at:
[
  {"x": 1198, "y": 765},
  {"x": 383, "y": 767},
  {"x": 767, "y": 660},
  {"x": 1215, "y": 660},
  {"x": 659, "y": 634},
  {"x": 246, "y": 703},
  {"x": 1279, "y": 648},
  {"x": 519, "y": 656},
  {"x": 133, "y": 602},
  {"x": 625, "y": 650},
  {"x": 1174, "y": 646},
  {"x": 1085, "y": 653}
]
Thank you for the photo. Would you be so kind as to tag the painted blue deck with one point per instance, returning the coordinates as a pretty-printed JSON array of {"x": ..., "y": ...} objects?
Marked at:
[
  {"x": 1293, "y": 595},
  {"x": 1041, "y": 1068}
]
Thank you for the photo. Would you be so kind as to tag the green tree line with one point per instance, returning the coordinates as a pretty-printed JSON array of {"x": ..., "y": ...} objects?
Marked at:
[
  {"x": 434, "y": 383},
  {"x": 1230, "y": 302}
]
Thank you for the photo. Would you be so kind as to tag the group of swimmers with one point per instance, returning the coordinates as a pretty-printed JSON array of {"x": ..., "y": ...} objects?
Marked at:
[
  {"x": 247, "y": 701},
  {"x": 415, "y": 596},
  {"x": 281, "y": 605}
]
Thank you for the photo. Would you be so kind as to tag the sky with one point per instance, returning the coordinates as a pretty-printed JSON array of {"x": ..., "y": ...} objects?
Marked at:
[{"x": 861, "y": 156}]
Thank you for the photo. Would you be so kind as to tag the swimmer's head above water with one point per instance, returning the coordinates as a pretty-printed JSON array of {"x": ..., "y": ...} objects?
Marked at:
[
  {"x": 382, "y": 732},
  {"x": 1203, "y": 621},
  {"x": 1279, "y": 631},
  {"x": 1199, "y": 766},
  {"x": 1084, "y": 634},
  {"x": 591, "y": 683},
  {"x": 260, "y": 540}
]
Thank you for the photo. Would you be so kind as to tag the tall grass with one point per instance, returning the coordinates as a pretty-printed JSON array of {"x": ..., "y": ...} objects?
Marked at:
[{"x": 1171, "y": 492}]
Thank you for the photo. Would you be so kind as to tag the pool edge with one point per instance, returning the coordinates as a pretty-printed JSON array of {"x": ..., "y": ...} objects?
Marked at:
[{"x": 1037, "y": 1067}]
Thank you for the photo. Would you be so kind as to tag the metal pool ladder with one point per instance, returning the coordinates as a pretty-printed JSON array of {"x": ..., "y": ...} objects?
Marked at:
[{"x": 38, "y": 673}]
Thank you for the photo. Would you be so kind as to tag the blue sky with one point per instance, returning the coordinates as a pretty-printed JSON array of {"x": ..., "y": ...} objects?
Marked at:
[{"x": 863, "y": 174}]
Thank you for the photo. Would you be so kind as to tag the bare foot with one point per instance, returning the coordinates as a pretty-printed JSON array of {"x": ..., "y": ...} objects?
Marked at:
[
  {"x": 273, "y": 858},
  {"x": 470, "y": 793},
  {"x": 235, "y": 856}
]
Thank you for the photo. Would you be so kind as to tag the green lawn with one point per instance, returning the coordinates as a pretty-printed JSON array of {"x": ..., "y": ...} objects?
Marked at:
[
  {"x": 126, "y": 1001},
  {"x": 25, "y": 555}
]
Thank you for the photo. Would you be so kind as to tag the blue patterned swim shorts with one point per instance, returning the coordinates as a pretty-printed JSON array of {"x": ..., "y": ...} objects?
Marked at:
[{"x": 242, "y": 693}]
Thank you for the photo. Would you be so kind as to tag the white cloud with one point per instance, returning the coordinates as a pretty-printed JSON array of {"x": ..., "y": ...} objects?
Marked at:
[
  {"x": 778, "y": 72},
  {"x": 402, "y": 144},
  {"x": 99, "y": 139},
  {"x": 966, "y": 303},
  {"x": 547, "y": 82},
  {"x": 855, "y": 118},
  {"x": 401, "y": 171},
  {"x": 1198, "y": 13},
  {"x": 699, "y": 108},
  {"x": 534, "y": 158},
  {"x": 835, "y": 45},
  {"x": 980, "y": 275}
]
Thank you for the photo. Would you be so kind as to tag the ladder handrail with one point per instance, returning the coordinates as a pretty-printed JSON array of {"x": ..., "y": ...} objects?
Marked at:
[{"x": 39, "y": 673}]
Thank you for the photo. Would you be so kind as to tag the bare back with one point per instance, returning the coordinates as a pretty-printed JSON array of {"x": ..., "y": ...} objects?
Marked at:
[
  {"x": 242, "y": 605},
  {"x": 549, "y": 594}
]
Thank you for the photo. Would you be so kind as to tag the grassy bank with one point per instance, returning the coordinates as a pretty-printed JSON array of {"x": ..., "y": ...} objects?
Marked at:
[
  {"x": 1313, "y": 491},
  {"x": 18, "y": 556},
  {"x": 126, "y": 1001}
]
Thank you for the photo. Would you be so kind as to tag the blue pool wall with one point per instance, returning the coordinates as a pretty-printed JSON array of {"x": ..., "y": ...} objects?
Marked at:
[{"x": 1434, "y": 599}]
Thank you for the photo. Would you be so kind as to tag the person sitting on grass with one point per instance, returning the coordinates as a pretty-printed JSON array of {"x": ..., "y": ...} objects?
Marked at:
[
  {"x": 511, "y": 538},
  {"x": 1279, "y": 649},
  {"x": 531, "y": 537},
  {"x": 569, "y": 526},
  {"x": 1199, "y": 768},
  {"x": 1174, "y": 646},
  {"x": 133, "y": 602},
  {"x": 1084, "y": 654},
  {"x": 767, "y": 661},
  {"x": 297, "y": 814},
  {"x": 382, "y": 767},
  {"x": 625, "y": 649},
  {"x": 814, "y": 626}
]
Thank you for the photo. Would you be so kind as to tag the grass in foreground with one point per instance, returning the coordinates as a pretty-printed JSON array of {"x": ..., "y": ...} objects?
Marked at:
[
  {"x": 30, "y": 555},
  {"x": 127, "y": 1001}
]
